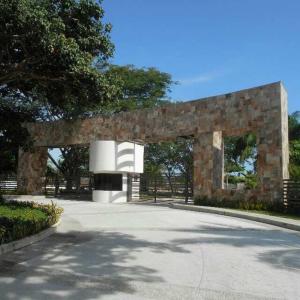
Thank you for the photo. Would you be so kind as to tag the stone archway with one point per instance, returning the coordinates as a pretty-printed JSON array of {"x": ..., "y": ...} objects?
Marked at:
[{"x": 261, "y": 110}]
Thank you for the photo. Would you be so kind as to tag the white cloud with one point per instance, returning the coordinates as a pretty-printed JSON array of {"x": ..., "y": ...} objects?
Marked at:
[{"x": 202, "y": 78}]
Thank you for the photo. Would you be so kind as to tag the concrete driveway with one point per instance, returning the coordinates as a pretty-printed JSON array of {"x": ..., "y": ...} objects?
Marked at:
[{"x": 130, "y": 251}]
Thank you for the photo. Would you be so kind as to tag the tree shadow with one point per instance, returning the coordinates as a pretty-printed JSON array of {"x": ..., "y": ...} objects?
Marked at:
[
  {"x": 78, "y": 265},
  {"x": 287, "y": 258},
  {"x": 96, "y": 264},
  {"x": 283, "y": 259}
]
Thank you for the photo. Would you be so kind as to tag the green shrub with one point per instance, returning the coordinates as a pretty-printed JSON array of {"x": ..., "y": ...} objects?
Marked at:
[
  {"x": 239, "y": 203},
  {"x": 251, "y": 181},
  {"x": 20, "y": 219}
]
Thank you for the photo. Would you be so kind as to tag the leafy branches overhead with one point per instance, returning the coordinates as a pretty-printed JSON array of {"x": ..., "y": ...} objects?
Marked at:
[
  {"x": 14, "y": 110},
  {"x": 238, "y": 152},
  {"x": 294, "y": 137},
  {"x": 140, "y": 87},
  {"x": 55, "y": 54},
  {"x": 294, "y": 127},
  {"x": 170, "y": 159},
  {"x": 50, "y": 53},
  {"x": 48, "y": 48}
]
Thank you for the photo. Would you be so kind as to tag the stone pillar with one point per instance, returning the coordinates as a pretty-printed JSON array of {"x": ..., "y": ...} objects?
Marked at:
[
  {"x": 31, "y": 170},
  {"x": 273, "y": 147},
  {"x": 208, "y": 163}
]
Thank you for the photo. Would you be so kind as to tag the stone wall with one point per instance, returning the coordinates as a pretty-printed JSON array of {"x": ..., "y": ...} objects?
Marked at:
[
  {"x": 31, "y": 170},
  {"x": 261, "y": 110},
  {"x": 208, "y": 163}
]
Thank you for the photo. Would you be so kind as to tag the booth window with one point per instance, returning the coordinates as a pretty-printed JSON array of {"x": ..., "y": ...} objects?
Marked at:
[{"x": 108, "y": 182}]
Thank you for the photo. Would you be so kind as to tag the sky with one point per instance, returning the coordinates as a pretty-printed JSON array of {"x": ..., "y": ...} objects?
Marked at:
[{"x": 210, "y": 47}]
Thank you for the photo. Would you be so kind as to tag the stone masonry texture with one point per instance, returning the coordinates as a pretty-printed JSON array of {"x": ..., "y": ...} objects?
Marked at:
[
  {"x": 261, "y": 110},
  {"x": 31, "y": 170}
]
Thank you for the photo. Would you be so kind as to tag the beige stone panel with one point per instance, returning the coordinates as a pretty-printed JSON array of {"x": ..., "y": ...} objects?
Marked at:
[{"x": 31, "y": 170}]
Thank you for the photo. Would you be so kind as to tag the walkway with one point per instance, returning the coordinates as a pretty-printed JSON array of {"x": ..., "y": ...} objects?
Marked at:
[{"x": 134, "y": 251}]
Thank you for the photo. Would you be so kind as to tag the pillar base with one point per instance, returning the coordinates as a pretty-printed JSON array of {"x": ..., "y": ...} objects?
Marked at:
[{"x": 110, "y": 196}]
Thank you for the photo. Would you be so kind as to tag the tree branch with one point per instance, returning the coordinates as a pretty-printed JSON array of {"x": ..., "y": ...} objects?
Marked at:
[{"x": 55, "y": 163}]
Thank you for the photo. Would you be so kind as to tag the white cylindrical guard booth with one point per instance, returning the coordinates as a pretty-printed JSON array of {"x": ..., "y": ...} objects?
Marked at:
[{"x": 111, "y": 162}]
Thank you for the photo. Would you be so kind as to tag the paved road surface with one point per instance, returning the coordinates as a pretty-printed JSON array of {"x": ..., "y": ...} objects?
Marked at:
[{"x": 132, "y": 251}]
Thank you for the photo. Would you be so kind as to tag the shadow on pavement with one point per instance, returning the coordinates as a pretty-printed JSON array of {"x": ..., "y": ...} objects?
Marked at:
[
  {"x": 77, "y": 265},
  {"x": 287, "y": 258}
]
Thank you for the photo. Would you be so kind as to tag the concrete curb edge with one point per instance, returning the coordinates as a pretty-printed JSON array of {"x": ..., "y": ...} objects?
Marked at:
[
  {"x": 230, "y": 213},
  {"x": 15, "y": 245}
]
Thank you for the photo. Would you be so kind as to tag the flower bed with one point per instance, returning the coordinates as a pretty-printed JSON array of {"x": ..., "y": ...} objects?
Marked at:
[{"x": 21, "y": 219}]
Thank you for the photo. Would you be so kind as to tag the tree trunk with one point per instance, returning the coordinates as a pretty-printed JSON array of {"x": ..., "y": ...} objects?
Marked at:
[
  {"x": 186, "y": 188},
  {"x": 169, "y": 177},
  {"x": 56, "y": 183},
  {"x": 69, "y": 184},
  {"x": 155, "y": 189}
]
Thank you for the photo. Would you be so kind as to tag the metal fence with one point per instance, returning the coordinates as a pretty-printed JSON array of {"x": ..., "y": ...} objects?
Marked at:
[
  {"x": 291, "y": 194},
  {"x": 80, "y": 186},
  {"x": 162, "y": 186},
  {"x": 8, "y": 184},
  {"x": 144, "y": 186}
]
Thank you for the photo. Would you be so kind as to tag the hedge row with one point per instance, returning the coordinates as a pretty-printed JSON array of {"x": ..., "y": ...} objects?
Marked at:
[
  {"x": 21, "y": 219},
  {"x": 251, "y": 204}
]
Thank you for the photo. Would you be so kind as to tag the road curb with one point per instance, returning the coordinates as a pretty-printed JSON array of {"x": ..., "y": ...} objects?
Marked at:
[
  {"x": 15, "y": 245},
  {"x": 230, "y": 213}
]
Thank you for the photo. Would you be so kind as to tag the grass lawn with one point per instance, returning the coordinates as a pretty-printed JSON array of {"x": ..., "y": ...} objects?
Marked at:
[
  {"x": 271, "y": 213},
  {"x": 21, "y": 219},
  {"x": 26, "y": 213}
]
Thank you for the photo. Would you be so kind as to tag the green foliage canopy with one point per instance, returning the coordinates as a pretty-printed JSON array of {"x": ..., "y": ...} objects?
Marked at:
[
  {"x": 14, "y": 110},
  {"x": 140, "y": 88},
  {"x": 49, "y": 48},
  {"x": 52, "y": 66},
  {"x": 294, "y": 138}
]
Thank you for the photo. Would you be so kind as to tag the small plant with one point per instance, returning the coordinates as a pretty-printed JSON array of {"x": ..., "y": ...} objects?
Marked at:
[
  {"x": 20, "y": 219},
  {"x": 240, "y": 203},
  {"x": 251, "y": 181}
]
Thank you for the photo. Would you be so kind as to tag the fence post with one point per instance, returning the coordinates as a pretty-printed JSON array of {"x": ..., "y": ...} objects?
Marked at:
[
  {"x": 186, "y": 189},
  {"x": 46, "y": 185},
  {"x": 155, "y": 188},
  {"x": 56, "y": 183}
]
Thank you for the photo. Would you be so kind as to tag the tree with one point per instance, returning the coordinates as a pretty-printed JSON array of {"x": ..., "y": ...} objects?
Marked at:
[
  {"x": 14, "y": 110},
  {"x": 152, "y": 167},
  {"x": 161, "y": 159},
  {"x": 240, "y": 153},
  {"x": 74, "y": 161},
  {"x": 185, "y": 163},
  {"x": 171, "y": 159},
  {"x": 49, "y": 49},
  {"x": 294, "y": 138},
  {"x": 53, "y": 57},
  {"x": 294, "y": 127},
  {"x": 140, "y": 88}
]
